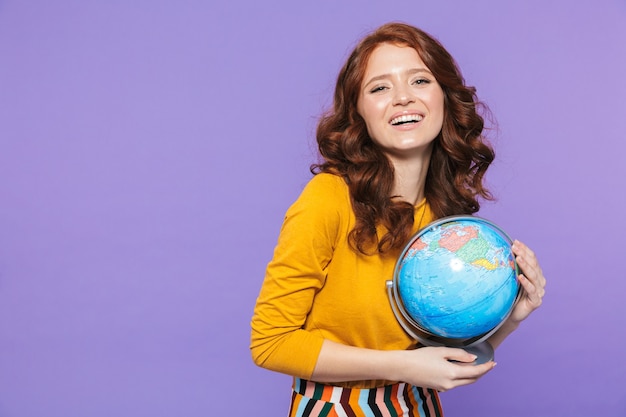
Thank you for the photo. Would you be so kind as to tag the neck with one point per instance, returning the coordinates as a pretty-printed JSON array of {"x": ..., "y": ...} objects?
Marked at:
[{"x": 410, "y": 178}]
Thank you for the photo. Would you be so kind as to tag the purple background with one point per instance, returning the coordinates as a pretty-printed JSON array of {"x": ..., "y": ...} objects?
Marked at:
[{"x": 149, "y": 149}]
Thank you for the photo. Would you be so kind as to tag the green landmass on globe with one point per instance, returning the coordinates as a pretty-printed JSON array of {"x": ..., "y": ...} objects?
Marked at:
[{"x": 468, "y": 245}]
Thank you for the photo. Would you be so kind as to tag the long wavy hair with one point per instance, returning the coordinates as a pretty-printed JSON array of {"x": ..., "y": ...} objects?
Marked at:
[{"x": 460, "y": 155}]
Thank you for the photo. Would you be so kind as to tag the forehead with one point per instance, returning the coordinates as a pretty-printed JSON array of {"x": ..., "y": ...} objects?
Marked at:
[{"x": 389, "y": 58}]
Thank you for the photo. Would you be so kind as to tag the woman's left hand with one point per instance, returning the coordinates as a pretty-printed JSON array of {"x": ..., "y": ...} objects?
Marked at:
[{"x": 532, "y": 281}]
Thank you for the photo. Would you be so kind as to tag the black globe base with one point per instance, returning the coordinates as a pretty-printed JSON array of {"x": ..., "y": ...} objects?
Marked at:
[{"x": 483, "y": 351}]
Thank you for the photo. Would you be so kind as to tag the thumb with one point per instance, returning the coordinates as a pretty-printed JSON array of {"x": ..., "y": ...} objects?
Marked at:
[{"x": 460, "y": 355}]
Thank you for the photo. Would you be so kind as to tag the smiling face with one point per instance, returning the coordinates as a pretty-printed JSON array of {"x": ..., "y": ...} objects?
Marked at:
[{"x": 401, "y": 102}]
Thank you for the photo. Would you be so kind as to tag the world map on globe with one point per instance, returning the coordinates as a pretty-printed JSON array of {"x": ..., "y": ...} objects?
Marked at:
[{"x": 458, "y": 279}]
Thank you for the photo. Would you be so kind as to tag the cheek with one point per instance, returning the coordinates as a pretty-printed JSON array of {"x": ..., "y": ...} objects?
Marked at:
[
  {"x": 438, "y": 108},
  {"x": 372, "y": 106},
  {"x": 370, "y": 111},
  {"x": 372, "y": 128},
  {"x": 359, "y": 108}
]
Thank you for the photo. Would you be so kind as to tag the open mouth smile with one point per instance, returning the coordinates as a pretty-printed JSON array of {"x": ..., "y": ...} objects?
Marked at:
[{"x": 406, "y": 118}]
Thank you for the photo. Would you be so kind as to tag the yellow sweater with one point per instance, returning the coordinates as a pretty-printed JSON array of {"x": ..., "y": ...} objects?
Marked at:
[{"x": 317, "y": 287}]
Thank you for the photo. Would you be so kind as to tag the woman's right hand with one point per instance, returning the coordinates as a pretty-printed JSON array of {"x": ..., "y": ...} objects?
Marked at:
[{"x": 431, "y": 367}]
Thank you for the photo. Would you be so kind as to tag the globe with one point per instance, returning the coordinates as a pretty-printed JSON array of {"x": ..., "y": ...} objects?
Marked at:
[{"x": 455, "y": 282}]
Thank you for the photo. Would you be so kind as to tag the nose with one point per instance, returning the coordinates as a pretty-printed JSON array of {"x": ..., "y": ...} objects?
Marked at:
[{"x": 403, "y": 96}]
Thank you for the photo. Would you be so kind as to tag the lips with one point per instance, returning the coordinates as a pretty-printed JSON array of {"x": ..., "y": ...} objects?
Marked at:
[{"x": 406, "y": 118}]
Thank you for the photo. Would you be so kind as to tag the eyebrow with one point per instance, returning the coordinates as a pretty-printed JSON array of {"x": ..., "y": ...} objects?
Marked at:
[{"x": 408, "y": 72}]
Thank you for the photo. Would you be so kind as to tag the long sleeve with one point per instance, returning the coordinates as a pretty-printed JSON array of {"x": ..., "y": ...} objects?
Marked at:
[{"x": 294, "y": 276}]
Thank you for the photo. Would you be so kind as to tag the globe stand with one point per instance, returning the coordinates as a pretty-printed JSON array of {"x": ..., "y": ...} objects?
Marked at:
[{"x": 483, "y": 351}]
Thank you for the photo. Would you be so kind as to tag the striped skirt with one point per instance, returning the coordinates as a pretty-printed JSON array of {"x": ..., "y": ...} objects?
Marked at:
[{"x": 311, "y": 399}]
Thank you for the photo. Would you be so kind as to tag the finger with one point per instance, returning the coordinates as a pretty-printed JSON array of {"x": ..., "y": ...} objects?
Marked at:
[
  {"x": 531, "y": 270},
  {"x": 520, "y": 248},
  {"x": 525, "y": 257},
  {"x": 473, "y": 372},
  {"x": 533, "y": 273},
  {"x": 461, "y": 382},
  {"x": 531, "y": 291},
  {"x": 460, "y": 355}
]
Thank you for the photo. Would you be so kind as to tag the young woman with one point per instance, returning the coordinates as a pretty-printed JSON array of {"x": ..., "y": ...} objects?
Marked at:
[{"x": 401, "y": 147}]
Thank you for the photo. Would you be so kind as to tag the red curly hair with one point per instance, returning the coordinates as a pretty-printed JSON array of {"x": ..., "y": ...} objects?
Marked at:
[{"x": 460, "y": 155}]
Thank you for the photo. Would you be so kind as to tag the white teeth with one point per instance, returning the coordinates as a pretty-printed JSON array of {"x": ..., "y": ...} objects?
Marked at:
[{"x": 405, "y": 118}]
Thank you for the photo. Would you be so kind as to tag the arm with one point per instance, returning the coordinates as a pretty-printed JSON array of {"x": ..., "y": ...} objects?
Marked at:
[
  {"x": 533, "y": 286},
  {"x": 427, "y": 367},
  {"x": 293, "y": 277}
]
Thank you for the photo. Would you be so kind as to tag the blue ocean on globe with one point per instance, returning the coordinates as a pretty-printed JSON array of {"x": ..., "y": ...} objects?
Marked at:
[{"x": 458, "y": 279}]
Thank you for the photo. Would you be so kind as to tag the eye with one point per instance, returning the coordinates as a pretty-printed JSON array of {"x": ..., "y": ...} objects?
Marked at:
[
  {"x": 421, "y": 81},
  {"x": 378, "y": 89}
]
